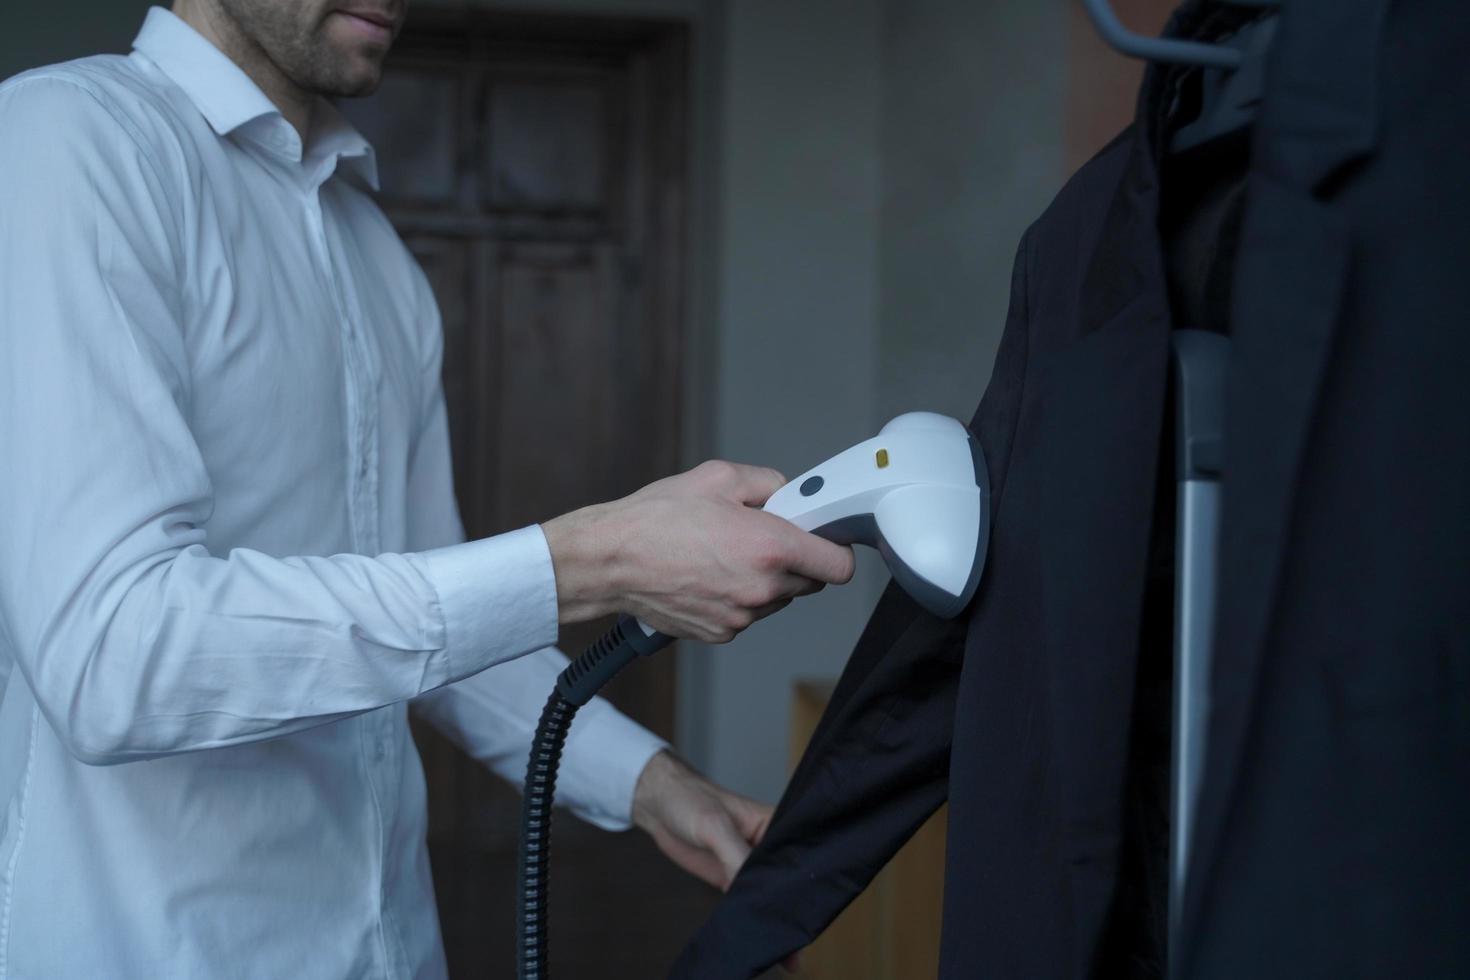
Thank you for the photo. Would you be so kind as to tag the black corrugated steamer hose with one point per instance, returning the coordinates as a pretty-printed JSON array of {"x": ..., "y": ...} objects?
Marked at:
[{"x": 576, "y": 685}]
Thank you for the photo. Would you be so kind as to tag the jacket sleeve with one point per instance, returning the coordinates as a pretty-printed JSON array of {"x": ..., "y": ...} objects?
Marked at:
[{"x": 878, "y": 763}]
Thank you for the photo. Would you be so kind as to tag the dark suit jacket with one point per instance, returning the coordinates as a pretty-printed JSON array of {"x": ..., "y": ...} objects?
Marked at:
[{"x": 1334, "y": 826}]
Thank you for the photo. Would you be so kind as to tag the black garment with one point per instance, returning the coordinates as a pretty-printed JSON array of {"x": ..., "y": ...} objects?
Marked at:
[
  {"x": 1332, "y": 834},
  {"x": 1332, "y": 828}
]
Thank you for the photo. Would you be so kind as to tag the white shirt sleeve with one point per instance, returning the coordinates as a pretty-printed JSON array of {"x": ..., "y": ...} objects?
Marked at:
[
  {"x": 493, "y": 715},
  {"x": 135, "y": 639}
]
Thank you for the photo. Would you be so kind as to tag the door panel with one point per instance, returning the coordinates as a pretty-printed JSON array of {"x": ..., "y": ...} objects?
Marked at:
[
  {"x": 414, "y": 131},
  {"x": 554, "y": 391},
  {"x": 550, "y": 139}
]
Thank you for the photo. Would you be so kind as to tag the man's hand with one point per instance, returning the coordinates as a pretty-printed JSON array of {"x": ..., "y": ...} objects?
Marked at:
[
  {"x": 700, "y": 826},
  {"x": 691, "y": 556},
  {"x": 703, "y": 828}
]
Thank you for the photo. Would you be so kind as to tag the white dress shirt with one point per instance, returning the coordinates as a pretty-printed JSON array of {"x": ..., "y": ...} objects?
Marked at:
[{"x": 230, "y": 555}]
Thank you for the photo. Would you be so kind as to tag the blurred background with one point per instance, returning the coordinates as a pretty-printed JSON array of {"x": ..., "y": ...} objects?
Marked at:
[{"x": 667, "y": 230}]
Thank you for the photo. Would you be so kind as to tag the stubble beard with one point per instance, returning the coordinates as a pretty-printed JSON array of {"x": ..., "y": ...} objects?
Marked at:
[{"x": 293, "y": 37}]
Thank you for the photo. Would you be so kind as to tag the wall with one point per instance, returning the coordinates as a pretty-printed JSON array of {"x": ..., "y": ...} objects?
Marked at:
[
  {"x": 42, "y": 33},
  {"x": 1102, "y": 89},
  {"x": 972, "y": 151},
  {"x": 796, "y": 330}
]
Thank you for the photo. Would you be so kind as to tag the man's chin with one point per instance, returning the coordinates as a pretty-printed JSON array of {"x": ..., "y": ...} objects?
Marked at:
[
  {"x": 355, "y": 60},
  {"x": 366, "y": 85},
  {"x": 355, "y": 78}
]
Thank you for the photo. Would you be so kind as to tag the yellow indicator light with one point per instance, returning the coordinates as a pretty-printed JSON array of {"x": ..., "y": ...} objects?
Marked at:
[{"x": 882, "y": 459}]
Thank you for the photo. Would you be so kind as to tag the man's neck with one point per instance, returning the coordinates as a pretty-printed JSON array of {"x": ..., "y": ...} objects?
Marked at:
[{"x": 221, "y": 30}]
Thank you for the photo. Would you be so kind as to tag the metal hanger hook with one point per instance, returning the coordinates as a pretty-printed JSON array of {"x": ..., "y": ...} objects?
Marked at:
[{"x": 1165, "y": 50}]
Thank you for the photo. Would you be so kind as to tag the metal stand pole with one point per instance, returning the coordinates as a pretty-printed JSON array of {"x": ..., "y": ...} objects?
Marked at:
[{"x": 1198, "y": 373}]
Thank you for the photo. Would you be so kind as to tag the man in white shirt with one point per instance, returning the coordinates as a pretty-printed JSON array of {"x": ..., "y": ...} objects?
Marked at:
[{"x": 230, "y": 556}]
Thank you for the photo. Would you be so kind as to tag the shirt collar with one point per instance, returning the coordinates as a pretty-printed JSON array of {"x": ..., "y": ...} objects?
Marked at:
[
  {"x": 333, "y": 136},
  {"x": 229, "y": 100}
]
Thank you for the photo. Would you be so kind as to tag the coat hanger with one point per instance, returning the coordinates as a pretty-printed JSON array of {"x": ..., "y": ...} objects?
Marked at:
[
  {"x": 1233, "y": 71},
  {"x": 1168, "y": 50}
]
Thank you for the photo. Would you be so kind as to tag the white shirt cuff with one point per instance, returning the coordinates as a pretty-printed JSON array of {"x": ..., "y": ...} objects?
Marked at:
[
  {"x": 605, "y": 753},
  {"x": 497, "y": 597}
]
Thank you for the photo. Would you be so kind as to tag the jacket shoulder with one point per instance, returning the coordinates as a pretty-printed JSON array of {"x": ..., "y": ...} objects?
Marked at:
[{"x": 1084, "y": 199}]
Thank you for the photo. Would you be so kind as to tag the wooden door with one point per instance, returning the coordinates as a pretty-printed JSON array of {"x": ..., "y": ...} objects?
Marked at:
[{"x": 535, "y": 167}]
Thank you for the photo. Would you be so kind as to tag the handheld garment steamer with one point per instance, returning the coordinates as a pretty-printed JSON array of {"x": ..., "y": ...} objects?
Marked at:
[{"x": 918, "y": 492}]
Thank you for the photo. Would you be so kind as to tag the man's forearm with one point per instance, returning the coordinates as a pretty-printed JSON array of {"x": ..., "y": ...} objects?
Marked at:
[{"x": 492, "y": 714}]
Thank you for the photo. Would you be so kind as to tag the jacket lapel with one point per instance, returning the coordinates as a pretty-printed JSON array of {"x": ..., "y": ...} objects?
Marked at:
[
  {"x": 1102, "y": 398},
  {"x": 1316, "y": 119}
]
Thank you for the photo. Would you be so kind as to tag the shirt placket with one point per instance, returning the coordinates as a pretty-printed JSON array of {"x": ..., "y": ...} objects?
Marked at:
[{"x": 360, "y": 370}]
